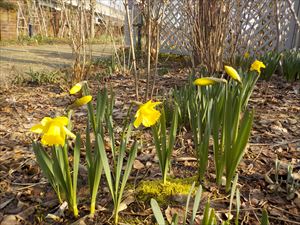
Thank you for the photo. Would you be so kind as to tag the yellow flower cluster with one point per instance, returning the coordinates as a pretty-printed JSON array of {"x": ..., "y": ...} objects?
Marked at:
[
  {"x": 54, "y": 130},
  {"x": 204, "y": 81},
  {"x": 81, "y": 101}
]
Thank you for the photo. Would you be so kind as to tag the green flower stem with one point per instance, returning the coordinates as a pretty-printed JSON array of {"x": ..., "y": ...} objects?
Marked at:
[
  {"x": 71, "y": 198},
  {"x": 91, "y": 116}
]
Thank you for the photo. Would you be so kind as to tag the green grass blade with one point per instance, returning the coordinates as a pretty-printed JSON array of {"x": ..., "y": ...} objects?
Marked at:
[
  {"x": 173, "y": 131},
  {"x": 206, "y": 214},
  {"x": 120, "y": 165},
  {"x": 59, "y": 175},
  {"x": 157, "y": 212},
  {"x": 46, "y": 164},
  {"x": 106, "y": 167},
  {"x": 76, "y": 166},
  {"x": 238, "y": 206},
  {"x": 264, "y": 218},
  {"x": 157, "y": 143},
  {"x": 127, "y": 171},
  {"x": 175, "y": 219},
  {"x": 187, "y": 203},
  {"x": 196, "y": 204},
  {"x": 101, "y": 106},
  {"x": 212, "y": 218},
  {"x": 233, "y": 188}
]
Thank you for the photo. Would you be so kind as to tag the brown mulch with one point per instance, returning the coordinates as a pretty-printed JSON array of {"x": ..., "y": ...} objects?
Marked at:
[{"x": 276, "y": 133}]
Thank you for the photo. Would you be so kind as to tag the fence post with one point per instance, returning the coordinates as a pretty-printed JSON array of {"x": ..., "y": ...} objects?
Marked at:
[{"x": 293, "y": 39}]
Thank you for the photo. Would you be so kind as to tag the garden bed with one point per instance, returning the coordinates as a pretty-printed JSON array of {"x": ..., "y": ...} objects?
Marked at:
[{"x": 25, "y": 193}]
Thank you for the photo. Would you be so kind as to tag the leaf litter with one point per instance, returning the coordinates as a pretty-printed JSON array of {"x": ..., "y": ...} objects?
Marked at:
[{"x": 26, "y": 197}]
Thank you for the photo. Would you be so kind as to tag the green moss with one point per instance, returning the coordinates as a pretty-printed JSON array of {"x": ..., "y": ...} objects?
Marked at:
[{"x": 164, "y": 193}]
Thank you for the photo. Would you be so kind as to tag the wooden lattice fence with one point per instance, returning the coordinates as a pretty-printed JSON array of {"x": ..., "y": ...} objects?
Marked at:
[{"x": 261, "y": 25}]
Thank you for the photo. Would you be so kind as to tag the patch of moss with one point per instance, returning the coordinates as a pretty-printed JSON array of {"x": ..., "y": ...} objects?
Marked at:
[{"x": 163, "y": 193}]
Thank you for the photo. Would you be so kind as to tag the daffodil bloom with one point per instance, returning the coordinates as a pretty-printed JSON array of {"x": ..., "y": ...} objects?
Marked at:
[
  {"x": 233, "y": 73},
  {"x": 257, "y": 65},
  {"x": 204, "y": 81},
  {"x": 82, "y": 101},
  {"x": 54, "y": 130},
  {"x": 76, "y": 88},
  {"x": 246, "y": 55},
  {"x": 147, "y": 115}
]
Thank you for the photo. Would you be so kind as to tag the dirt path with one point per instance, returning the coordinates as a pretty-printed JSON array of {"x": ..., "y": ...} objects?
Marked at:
[{"x": 19, "y": 59}]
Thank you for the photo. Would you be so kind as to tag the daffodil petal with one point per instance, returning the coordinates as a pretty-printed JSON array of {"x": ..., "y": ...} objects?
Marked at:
[
  {"x": 39, "y": 128},
  {"x": 138, "y": 121},
  {"x": 46, "y": 120},
  {"x": 233, "y": 73},
  {"x": 76, "y": 88},
  {"x": 69, "y": 133},
  {"x": 204, "y": 81},
  {"x": 147, "y": 114},
  {"x": 62, "y": 120},
  {"x": 82, "y": 101},
  {"x": 153, "y": 104}
]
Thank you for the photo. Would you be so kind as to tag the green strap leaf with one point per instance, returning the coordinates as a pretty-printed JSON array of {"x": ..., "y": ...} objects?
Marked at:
[
  {"x": 157, "y": 212},
  {"x": 106, "y": 167}
]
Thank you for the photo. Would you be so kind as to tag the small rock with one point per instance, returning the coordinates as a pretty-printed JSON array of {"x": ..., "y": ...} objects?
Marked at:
[{"x": 138, "y": 165}]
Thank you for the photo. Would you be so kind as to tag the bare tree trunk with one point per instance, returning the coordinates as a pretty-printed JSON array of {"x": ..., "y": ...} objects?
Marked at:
[
  {"x": 208, "y": 21},
  {"x": 148, "y": 52},
  {"x": 92, "y": 22},
  {"x": 132, "y": 50}
]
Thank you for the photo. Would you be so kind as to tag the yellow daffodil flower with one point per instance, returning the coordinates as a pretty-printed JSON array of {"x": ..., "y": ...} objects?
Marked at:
[
  {"x": 147, "y": 115},
  {"x": 257, "y": 65},
  {"x": 233, "y": 73},
  {"x": 246, "y": 55},
  {"x": 82, "y": 101},
  {"x": 54, "y": 130},
  {"x": 76, "y": 88},
  {"x": 204, "y": 81}
]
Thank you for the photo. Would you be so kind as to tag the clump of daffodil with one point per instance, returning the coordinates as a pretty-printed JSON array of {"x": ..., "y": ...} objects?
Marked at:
[
  {"x": 204, "y": 81},
  {"x": 147, "y": 114},
  {"x": 54, "y": 130},
  {"x": 257, "y": 65},
  {"x": 233, "y": 73}
]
